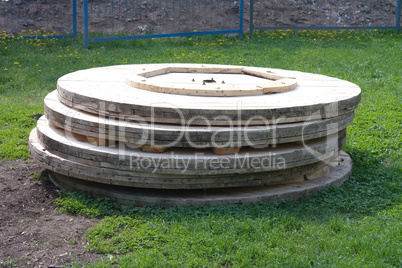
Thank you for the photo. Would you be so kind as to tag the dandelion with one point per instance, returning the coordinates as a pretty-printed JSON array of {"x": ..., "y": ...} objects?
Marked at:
[{"x": 16, "y": 63}]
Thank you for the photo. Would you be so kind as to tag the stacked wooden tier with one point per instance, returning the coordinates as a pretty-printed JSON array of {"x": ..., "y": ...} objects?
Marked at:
[{"x": 195, "y": 134}]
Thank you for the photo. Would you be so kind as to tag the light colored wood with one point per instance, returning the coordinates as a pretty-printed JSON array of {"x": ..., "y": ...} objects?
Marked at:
[
  {"x": 153, "y": 148},
  {"x": 241, "y": 86},
  {"x": 75, "y": 136},
  {"x": 97, "y": 141},
  {"x": 260, "y": 72},
  {"x": 281, "y": 84},
  {"x": 91, "y": 90}
]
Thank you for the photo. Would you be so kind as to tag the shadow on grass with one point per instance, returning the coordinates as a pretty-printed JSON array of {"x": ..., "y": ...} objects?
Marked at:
[
  {"x": 348, "y": 219},
  {"x": 372, "y": 187}
]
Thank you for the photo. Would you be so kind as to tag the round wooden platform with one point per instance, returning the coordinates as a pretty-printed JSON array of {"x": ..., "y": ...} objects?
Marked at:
[{"x": 103, "y": 91}]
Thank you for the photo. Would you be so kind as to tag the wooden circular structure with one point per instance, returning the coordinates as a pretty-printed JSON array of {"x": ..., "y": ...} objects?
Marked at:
[{"x": 160, "y": 133}]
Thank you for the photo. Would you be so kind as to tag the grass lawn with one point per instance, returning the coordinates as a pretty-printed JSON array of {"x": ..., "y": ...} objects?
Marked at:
[{"x": 356, "y": 225}]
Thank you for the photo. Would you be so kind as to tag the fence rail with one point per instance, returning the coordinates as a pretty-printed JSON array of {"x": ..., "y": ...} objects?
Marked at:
[{"x": 106, "y": 20}]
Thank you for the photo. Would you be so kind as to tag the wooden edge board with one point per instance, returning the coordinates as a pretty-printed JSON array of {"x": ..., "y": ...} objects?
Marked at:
[
  {"x": 137, "y": 179},
  {"x": 277, "y": 83},
  {"x": 256, "y": 117},
  {"x": 188, "y": 136},
  {"x": 338, "y": 173},
  {"x": 190, "y": 161}
]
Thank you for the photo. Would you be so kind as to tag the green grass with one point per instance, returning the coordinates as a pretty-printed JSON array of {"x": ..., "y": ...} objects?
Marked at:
[{"x": 355, "y": 225}]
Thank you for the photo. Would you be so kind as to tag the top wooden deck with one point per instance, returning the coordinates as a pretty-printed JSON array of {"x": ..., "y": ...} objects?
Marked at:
[{"x": 104, "y": 91}]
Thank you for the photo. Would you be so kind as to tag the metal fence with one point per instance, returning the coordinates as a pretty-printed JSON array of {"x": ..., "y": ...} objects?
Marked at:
[
  {"x": 106, "y": 20},
  {"x": 103, "y": 20}
]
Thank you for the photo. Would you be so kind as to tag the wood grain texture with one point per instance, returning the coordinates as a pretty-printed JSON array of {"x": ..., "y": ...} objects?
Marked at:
[
  {"x": 240, "y": 81},
  {"x": 339, "y": 171},
  {"x": 86, "y": 170},
  {"x": 104, "y": 91},
  {"x": 187, "y": 161},
  {"x": 140, "y": 132}
]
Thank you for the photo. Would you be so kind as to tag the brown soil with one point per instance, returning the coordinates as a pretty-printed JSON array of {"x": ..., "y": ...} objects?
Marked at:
[
  {"x": 33, "y": 233},
  {"x": 144, "y": 16}
]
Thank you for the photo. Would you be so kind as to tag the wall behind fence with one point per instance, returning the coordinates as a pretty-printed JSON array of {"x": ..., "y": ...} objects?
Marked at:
[
  {"x": 320, "y": 14},
  {"x": 101, "y": 20},
  {"x": 29, "y": 17}
]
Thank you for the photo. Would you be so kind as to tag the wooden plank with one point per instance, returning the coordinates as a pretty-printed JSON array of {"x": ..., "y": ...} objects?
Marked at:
[
  {"x": 213, "y": 117},
  {"x": 188, "y": 161},
  {"x": 238, "y": 87},
  {"x": 337, "y": 174},
  {"x": 169, "y": 181},
  {"x": 88, "y": 88},
  {"x": 187, "y": 135}
]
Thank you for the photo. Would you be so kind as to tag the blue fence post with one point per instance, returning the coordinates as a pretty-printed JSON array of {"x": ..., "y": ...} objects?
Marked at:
[
  {"x": 85, "y": 30},
  {"x": 251, "y": 27},
  {"x": 241, "y": 18},
  {"x": 75, "y": 18},
  {"x": 398, "y": 15}
]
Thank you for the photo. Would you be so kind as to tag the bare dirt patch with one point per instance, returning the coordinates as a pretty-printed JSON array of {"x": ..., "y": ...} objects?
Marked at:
[{"x": 33, "y": 233}]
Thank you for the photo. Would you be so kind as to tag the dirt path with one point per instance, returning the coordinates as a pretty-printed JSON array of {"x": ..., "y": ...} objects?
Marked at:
[{"x": 32, "y": 231}]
